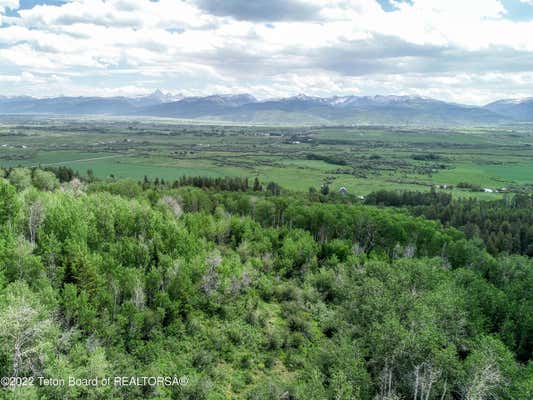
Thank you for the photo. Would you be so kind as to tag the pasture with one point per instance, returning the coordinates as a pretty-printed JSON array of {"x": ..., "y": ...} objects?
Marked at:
[{"x": 362, "y": 159}]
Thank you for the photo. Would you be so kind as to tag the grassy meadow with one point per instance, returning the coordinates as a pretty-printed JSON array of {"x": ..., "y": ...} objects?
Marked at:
[{"x": 362, "y": 159}]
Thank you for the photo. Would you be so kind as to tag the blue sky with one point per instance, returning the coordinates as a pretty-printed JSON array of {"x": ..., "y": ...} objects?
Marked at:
[
  {"x": 471, "y": 51},
  {"x": 517, "y": 10}
]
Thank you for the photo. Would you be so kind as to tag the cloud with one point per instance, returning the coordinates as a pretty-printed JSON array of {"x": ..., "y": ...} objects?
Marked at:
[
  {"x": 451, "y": 49},
  {"x": 24, "y": 77},
  {"x": 116, "y": 13},
  {"x": 261, "y": 10},
  {"x": 7, "y": 4},
  {"x": 11, "y": 4}
]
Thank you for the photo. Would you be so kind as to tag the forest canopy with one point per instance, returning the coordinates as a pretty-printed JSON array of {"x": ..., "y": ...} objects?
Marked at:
[{"x": 253, "y": 293}]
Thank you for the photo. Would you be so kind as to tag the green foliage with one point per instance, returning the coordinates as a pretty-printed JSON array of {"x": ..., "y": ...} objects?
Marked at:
[
  {"x": 20, "y": 178},
  {"x": 254, "y": 295},
  {"x": 28, "y": 330},
  {"x": 297, "y": 254},
  {"x": 9, "y": 202},
  {"x": 44, "y": 180},
  {"x": 504, "y": 225}
]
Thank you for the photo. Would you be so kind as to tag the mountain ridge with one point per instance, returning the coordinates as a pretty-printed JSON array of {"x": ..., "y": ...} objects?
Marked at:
[{"x": 377, "y": 109}]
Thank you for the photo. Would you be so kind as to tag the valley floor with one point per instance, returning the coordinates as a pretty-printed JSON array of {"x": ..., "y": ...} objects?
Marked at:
[{"x": 476, "y": 162}]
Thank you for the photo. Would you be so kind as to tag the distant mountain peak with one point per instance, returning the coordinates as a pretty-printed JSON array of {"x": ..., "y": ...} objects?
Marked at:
[
  {"x": 229, "y": 99},
  {"x": 235, "y": 96},
  {"x": 517, "y": 109},
  {"x": 302, "y": 96},
  {"x": 162, "y": 97}
]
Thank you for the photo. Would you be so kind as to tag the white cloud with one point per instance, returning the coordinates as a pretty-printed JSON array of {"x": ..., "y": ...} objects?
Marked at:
[
  {"x": 5, "y": 4},
  {"x": 12, "y": 4},
  {"x": 24, "y": 77},
  {"x": 117, "y": 13},
  {"x": 448, "y": 48}
]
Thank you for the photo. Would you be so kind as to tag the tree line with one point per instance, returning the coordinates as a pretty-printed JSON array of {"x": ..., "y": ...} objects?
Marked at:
[{"x": 504, "y": 225}]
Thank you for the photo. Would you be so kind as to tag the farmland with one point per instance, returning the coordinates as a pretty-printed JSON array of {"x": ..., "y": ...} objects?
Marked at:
[
  {"x": 362, "y": 159},
  {"x": 248, "y": 291}
]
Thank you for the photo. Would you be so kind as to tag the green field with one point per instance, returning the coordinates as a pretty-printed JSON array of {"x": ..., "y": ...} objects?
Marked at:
[{"x": 362, "y": 159}]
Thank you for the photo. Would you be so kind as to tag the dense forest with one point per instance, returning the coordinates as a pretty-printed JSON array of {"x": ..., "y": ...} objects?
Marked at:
[
  {"x": 504, "y": 225},
  {"x": 253, "y": 293}
]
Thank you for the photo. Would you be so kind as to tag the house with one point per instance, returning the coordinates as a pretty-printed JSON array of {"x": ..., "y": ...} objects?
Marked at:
[
  {"x": 343, "y": 190},
  {"x": 487, "y": 190}
]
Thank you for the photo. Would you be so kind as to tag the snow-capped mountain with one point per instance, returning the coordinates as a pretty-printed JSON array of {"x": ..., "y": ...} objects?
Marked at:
[
  {"x": 159, "y": 97},
  {"x": 230, "y": 100},
  {"x": 518, "y": 109},
  {"x": 379, "y": 109}
]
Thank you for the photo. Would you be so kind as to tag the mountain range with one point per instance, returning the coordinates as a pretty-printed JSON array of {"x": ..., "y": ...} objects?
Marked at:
[{"x": 337, "y": 110}]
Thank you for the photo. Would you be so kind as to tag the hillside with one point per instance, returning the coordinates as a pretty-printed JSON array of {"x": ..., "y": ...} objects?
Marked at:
[
  {"x": 520, "y": 110},
  {"x": 248, "y": 293}
]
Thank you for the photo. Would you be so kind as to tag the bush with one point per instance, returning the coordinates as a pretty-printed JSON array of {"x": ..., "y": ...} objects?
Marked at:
[
  {"x": 44, "y": 180},
  {"x": 20, "y": 178}
]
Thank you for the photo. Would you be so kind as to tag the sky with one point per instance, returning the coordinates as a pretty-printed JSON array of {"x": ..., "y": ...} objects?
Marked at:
[{"x": 467, "y": 51}]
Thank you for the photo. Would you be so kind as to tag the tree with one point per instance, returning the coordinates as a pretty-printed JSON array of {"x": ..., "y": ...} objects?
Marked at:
[
  {"x": 25, "y": 325},
  {"x": 9, "y": 204},
  {"x": 173, "y": 204},
  {"x": 298, "y": 253},
  {"x": 313, "y": 194},
  {"x": 257, "y": 185},
  {"x": 20, "y": 178},
  {"x": 274, "y": 189},
  {"x": 488, "y": 369},
  {"x": 90, "y": 175},
  {"x": 35, "y": 218},
  {"x": 44, "y": 180}
]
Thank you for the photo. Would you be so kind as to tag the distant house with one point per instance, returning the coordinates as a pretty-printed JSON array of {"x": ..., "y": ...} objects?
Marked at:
[
  {"x": 343, "y": 190},
  {"x": 487, "y": 190}
]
